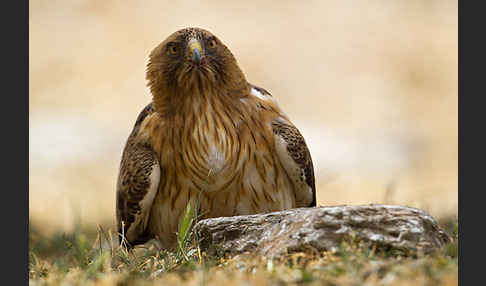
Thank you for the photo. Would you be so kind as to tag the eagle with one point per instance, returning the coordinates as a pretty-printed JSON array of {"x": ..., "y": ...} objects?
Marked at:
[{"x": 208, "y": 134}]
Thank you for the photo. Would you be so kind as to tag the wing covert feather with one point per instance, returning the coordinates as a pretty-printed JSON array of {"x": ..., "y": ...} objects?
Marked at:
[
  {"x": 296, "y": 159},
  {"x": 137, "y": 185}
]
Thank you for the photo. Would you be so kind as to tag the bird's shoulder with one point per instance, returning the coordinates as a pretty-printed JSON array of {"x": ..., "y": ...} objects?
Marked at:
[
  {"x": 147, "y": 112},
  {"x": 146, "y": 127},
  {"x": 290, "y": 145},
  {"x": 263, "y": 100},
  {"x": 260, "y": 93},
  {"x": 138, "y": 150}
]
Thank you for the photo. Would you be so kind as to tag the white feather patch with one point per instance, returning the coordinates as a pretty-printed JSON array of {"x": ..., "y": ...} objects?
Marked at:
[
  {"x": 302, "y": 191},
  {"x": 146, "y": 202},
  {"x": 216, "y": 160},
  {"x": 258, "y": 94},
  {"x": 262, "y": 96}
]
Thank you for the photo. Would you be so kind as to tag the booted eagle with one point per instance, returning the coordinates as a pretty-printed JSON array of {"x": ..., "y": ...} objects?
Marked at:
[{"x": 209, "y": 131}]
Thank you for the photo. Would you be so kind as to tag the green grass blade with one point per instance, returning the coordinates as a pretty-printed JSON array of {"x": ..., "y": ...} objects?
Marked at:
[{"x": 185, "y": 224}]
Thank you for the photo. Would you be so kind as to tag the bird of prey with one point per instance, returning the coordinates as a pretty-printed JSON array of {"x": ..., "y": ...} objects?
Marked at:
[{"x": 207, "y": 131}]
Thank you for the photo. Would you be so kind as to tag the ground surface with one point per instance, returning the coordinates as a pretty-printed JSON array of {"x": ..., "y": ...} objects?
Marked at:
[{"x": 79, "y": 258}]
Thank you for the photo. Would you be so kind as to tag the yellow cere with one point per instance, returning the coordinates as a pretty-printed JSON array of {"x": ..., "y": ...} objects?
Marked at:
[{"x": 193, "y": 44}]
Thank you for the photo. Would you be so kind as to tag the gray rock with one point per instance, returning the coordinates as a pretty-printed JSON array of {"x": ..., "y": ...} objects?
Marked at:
[{"x": 321, "y": 228}]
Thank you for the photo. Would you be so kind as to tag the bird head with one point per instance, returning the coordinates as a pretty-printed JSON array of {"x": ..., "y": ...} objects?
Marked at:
[{"x": 192, "y": 61}]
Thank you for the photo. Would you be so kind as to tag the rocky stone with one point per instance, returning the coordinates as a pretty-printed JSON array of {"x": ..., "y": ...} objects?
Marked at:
[{"x": 321, "y": 228}]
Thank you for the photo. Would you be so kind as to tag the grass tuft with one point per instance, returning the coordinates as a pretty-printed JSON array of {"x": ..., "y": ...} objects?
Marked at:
[{"x": 90, "y": 257}]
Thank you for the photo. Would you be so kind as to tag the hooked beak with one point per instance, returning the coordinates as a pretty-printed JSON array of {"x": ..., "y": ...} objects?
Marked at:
[{"x": 195, "y": 52}]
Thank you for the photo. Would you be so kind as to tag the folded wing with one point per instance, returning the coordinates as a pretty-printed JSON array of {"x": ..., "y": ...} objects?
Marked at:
[
  {"x": 296, "y": 160},
  {"x": 137, "y": 185}
]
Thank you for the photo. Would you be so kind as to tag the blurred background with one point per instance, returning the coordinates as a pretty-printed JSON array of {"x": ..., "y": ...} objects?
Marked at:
[{"x": 372, "y": 85}]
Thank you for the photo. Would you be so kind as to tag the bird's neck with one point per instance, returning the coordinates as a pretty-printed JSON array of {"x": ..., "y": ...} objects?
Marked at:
[{"x": 170, "y": 102}]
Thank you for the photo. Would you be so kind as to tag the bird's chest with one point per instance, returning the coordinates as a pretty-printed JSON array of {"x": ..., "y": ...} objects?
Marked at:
[
  {"x": 216, "y": 159},
  {"x": 214, "y": 151},
  {"x": 207, "y": 152},
  {"x": 201, "y": 153}
]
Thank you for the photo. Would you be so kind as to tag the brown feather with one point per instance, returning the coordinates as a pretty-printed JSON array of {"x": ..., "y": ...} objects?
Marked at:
[{"x": 136, "y": 166}]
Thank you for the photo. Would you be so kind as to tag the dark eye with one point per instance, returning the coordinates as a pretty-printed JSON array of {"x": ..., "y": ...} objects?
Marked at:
[
  {"x": 173, "y": 49},
  {"x": 212, "y": 43}
]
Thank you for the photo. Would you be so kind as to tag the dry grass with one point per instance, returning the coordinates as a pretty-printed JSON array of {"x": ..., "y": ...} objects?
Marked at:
[{"x": 89, "y": 258}]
